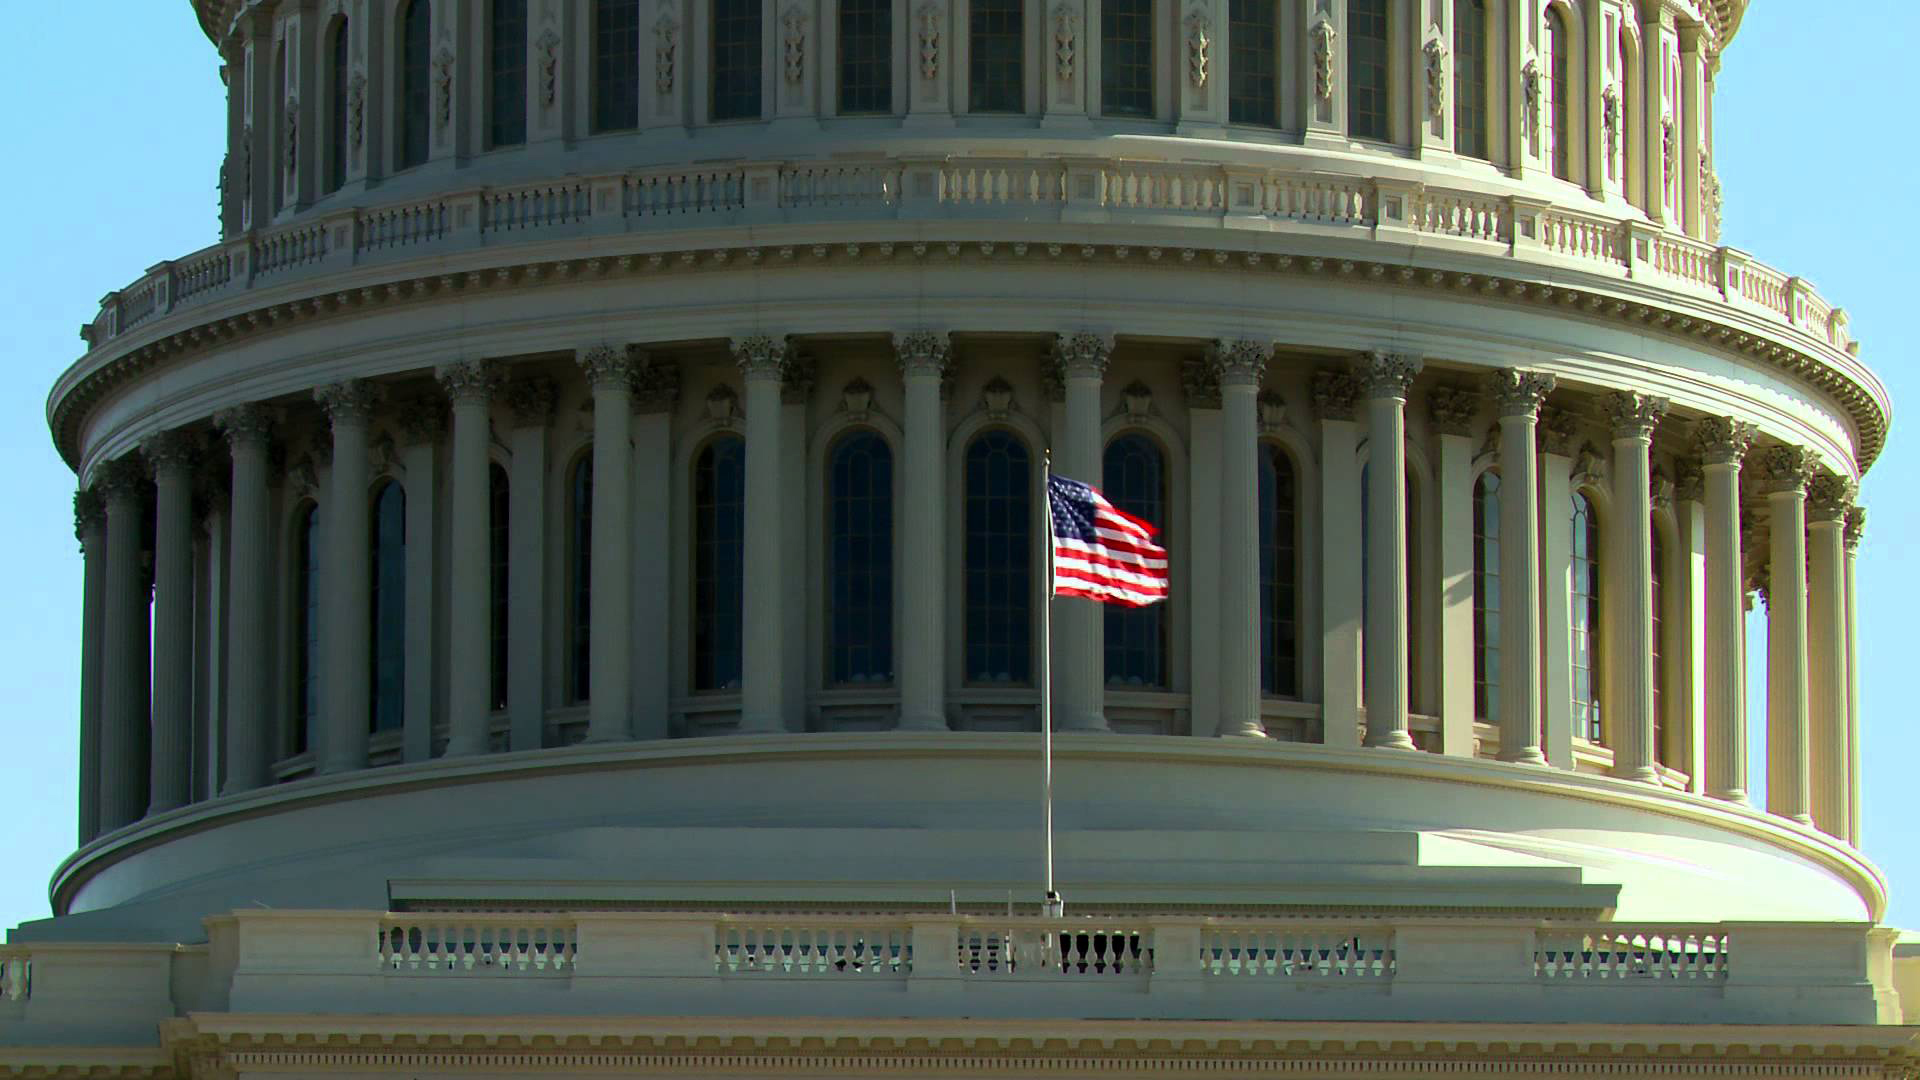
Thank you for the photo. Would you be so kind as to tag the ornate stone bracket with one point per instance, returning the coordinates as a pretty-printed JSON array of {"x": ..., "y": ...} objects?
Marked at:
[
  {"x": 1323, "y": 35},
  {"x": 1199, "y": 48},
  {"x": 723, "y": 406},
  {"x": 656, "y": 386},
  {"x": 1066, "y": 40},
  {"x": 794, "y": 43},
  {"x": 996, "y": 398},
  {"x": 929, "y": 17},
  {"x": 1451, "y": 409},
  {"x": 1200, "y": 382},
  {"x": 530, "y": 400},
  {"x": 666, "y": 44},
  {"x": 1334, "y": 394},
  {"x": 1435, "y": 54}
]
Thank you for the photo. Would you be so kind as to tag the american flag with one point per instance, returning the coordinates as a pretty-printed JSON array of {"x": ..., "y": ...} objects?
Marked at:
[{"x": 1100, "y": 552}]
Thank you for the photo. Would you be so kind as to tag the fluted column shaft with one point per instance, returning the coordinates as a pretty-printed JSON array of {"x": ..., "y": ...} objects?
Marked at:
[
  {"x": 610, "y": 373},
  {"x": 1384, "y": 383},
  {"x": 1723, "y": 444},
  {"x": 1828, "y": 499},
  {"x": 172, "y": 456},
  {"x": 1239, "y": 366},
  {"x": 1788, "y": 736},
  {"x": 1634, "y": 418},
  {"x": 763, "y": 364},
  {"x": 90, "y": 528},
  {"x": 347, "y": 597},
  {"x": 1856, "y": 525},
  {"x": 1519, "y": 395},
  {"x": 924, "y": 357},
  {"x": 1079, "y": 658},
  {"x": 247, "y": 430},
  {"x": 531, "y": 401},
  {"x": 469, "y": 386},
  {"x": 124, "y": 716},
  {"x": 1340, "y": 579}
]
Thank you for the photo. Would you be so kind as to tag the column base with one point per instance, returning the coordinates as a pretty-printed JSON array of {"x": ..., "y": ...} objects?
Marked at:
[
  {"x": 1644, "y": 774},
  {"x": 465, "y": 746},
  {"x": 1243, "y": 729},
  {"x": 760, "y": 725},
  {"x": 922, "y": 722},
  {"x": 1096, "y": 722},
  {"x": 1391, "y": 740},
  {"x": 1732, "y": 795},
  {"x": 1530, "y": 755}
]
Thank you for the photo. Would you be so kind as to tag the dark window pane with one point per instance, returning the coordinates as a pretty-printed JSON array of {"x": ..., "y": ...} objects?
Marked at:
[
  {"x": 416, "y": 83},
  {"x": 866, "y": 56},
  {"x": 999, "y": 569},
  {"x": 719, "y": 562},
  {"x": 1367, "y": 69},
  {"x": 1253, "y": 93},
  {"x": 616, "y": 65},
  {"x": 996, "y": 40},
  {"x": 507, "y": 74},
  {"x": 736, "y": 59},
  {"x": 1486, "y": 598},
  {"x": 389, "y": 608},
  {"x": 1586, "y": 621},
  {"x": 580, "y": 591},
  {"x": 1470, "y": 77},
  {"x": 1135, "y": 476},
  {"x": 1559, "y": 92},
  {"x": 337, "y": 109},
  {"x": 860, "y": 560},
  {"x": 1279, "y": 575},
  {"x": 1126, "y": 57},
  {"x": 1659, "y": 651},
  {"x": 306, "y": 613},
  {"x": 498, "y": 539}
]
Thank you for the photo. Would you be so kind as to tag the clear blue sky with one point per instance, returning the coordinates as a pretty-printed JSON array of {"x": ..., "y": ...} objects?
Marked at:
[{"x": 114, "y": 165}]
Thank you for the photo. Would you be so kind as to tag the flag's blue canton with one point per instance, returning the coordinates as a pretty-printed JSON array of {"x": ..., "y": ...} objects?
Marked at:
[{"x": 1072, "y": 509}]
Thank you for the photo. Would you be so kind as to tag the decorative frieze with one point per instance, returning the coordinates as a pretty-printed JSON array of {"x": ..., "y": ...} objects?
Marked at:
[
  {"x": 1199, "y": 47},
  {"x": 1633, "y": 415},
  {"x": 1722, "y": 440},
  {"x": 666, "y": 44},
  {"x": 1385, "y": 375},
  {"x": 1451, "y": 409},
  {"x": 1323, "y": 34},
  {"x": 1066, "y": 40},
  {"x": 530, "y": 400},
  {"x": 1434, "y": 54},
  {"x": 928, "y": 20},
  {"x": 1519, "y": 393},
  {"x": 793, "y": 23}
]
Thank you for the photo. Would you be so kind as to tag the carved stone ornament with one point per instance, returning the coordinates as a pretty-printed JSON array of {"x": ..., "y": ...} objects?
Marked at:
[
  {"x": 1557, "y": 429},
  {"x": 468, "y": 382},
  {"x": 1272, "y": 410},
  {"x": 89, "y": 515},
  {"x": 923, "y": 352},
  {"x": 1137, "y": 401},
  {"x": 1435, "y": 54},
  {"x": 292, "y": 122},
  {"x": 794, "y": 42},
  {"x": 530, "y": 400},
  {"x": 607, "y": 367},
  {"x": 1589, "y": 467},
  {"x": 245, "y": 425},
  {"x": 796, "y": 384},
  {"x": 1530, "y": 96},
  {"x": 175, "y": 449},
  {"x": 357, "y": 111},
  {"x": 350, "y": 401},
  {"x": 1323, "y": 35},
  {"x": 1785, "y": 469},
  {"x": 656, "y": 386},
  {"x": 1634, "y": 415},
  {"x": 723, "y": 405},
  {"x": 303, "y": 475},
  {"x": 1710, "y": 197},
  {"x": 547, "y": 48},
  {"x": 1856, "y": 526},
  {"x": 996, "y": 398},
  {"x": 1240, "y": 361},
  {"x": 1692, "y": 485},
  {"x": 1669, "y": 152},
  {"x": 1385, "y": 375},
  {"x": 423, "y": 422},
  {"x": 1660, "y": 491},
  {"x": 666, "y": 44},
  {"x": 443, "y": 89},
  {"x": 760, "y": 356},
  {"x": 1452, "y": 409},
  {"x": 856, "y": 398},
  {"x": 1519, "y": 393},
  {"x": 1083, "y": 354},
  {"x": 1722, "y": 440},
  {"x": 122, "y": 480},
  {"x": 1199, "y": 48},
  {"x": 1334, "y": 393},
  {"x": 1066, "y": 40},
  {"x": 1610, "y": 123},
  {"x": 1200, "y": 383},
  {"x": 244, "y": 174},
  {"x": 1829, "y": 497},
  {"x": 929, "y": 17}
]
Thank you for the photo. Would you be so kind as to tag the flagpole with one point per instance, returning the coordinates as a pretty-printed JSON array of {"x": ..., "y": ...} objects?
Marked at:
[{"x": 1052, "y": 906}]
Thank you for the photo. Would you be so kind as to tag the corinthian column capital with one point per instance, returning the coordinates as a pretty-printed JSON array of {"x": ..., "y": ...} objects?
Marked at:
[
  {"x": 468, "y": 382},
  {"x": 1856, "y": 525},
  {"x": 1084, "y": 354},
  {"x": 1785, "y": 469},
  {"x": 1334, "y": 393},
  {"x": 121, "y": 478},
  {"x": 531, "y": 401},
  {"x": 923, "y": 352},
  {"x": 89, "y": 514},
  {"x": 245, "y": 425},
  {"x": 1829, "y": 497},
  {"x": 607, "y": 367},
  {"x": 1241, "y": 361},
  {"x": 1634, "y": 415},
  {"x": 1385, "y": 375},
  {"x": 351, "y": 401},
  {"x": 760, "y": 357},
  {"x": 171, "y": 450},
  {"x": 1519, "y": 393},
  {"x": 1452, "y": 409}
]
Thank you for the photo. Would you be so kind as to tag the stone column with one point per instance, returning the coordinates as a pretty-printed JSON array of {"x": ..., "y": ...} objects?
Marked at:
[
  {"x": 248, "y": 429},
  {"x": 469, "y": 385},
  {"x": 1079, "y": 659},
  {"x": 610, "y": 372},
  {"x": 654, "y": 395},
  {"x": 423, "y": 426},
  {"x": 1340, "y": 515},
  {"x": 924, "y": 358},
  {"x": 1384, "y": 381},
  {"x": 1723, "y": 444},
  {"x": 172, "y": 455},
  {"x": 123, "y": 716},
  {"x": 1201, "y": 385},
  {"x": 1451, "y": 413},
  {"x": 1519, "y": 395},
  {"x": 531, "y": 401},
  {"x": 1240, "y": 366},
  {"x": 1634, "y": 416},
  {"x": 763, "y": 364},
  {"x": 90, "y": 528},
  {"x": 1856, "y": 524},
  {"x": 1784, "y": 471},
  {"x": 1555, "y": 432},
  {"x": 346, "y": 601},
  {"x": 1828, "y": 498}
]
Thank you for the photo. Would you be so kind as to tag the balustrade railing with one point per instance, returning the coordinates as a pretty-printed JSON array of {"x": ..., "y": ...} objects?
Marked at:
[
  {"x": 1583, "y": 236},
  {"x": 403, "y": 226},
  {"x": 535, "y": 206},
  {"x": 666, "y": 193},
  {"x": 994, "y": 183},
  {"x": 1200, "y": 188},
  {"x": 1316, "y": 200},
  {"x": 812, "y": 185},
  {"x": 1339, "y": 952},
  {"x": 1697, "y": 954},
  {"x": 284, "y": 249},
  {"x": 1471, "y": 217},
  {"x": 478, "y": 945},
  {"x": 1048, "y": 950},
  {"x": 782, "y": 947}
]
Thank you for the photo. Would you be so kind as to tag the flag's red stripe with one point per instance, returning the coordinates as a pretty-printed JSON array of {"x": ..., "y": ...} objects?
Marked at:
[
  {"x": 1144, "y": 588},
  {"x": 1103, "y": 597},
  {"x": 1094, "y": 569},
  {"x": 1122, "y": 520},
  {"x": 1148, "y": 560}
]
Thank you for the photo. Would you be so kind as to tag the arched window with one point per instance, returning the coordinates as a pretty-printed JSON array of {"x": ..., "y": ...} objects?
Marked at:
[
  {"x": 616, "y": 65},
  {"x": 866, "y": 56},
  {"x": 1559, "y": 90},
  {"x": 719, "y": 562},
  {"x": 1623, "y": 139},
  {"x": 1486, "y": 598},
  {"x": 1279, "y": 574},
  {"x": 1586, "y": 620},
  {"x": 1253, "y": 69},
  {"x": 1658, "y": 639},
  {"x": 306, "y": 628},
  {"x": 337, "y": 76},
  {"x": 1367, "y": 69},
  {"x": 416, "y": 83},
  {"x": 277, "y": 152},
  {"x": 996, "y": 56},
  {"x": 999, "y": 560},
  {"x": 860, "y": 560},
  {"x": 1136, "y": 640},
  {"x": 497, "y": 541},
  {"x": 389, "y": 608},
  {"x": 507, "y": 74},
  {"x": 736, "y": 59},
  {"x": 580, "y": 578},
  {"x": 1470, "y": 77},
  {"x": 1126, "y": 57}
]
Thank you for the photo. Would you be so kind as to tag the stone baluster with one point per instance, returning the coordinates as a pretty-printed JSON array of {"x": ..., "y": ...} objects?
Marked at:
[
  {"x": 1079, "y": 659},
  {"x": 90, "y": 528},
  {"x": 1384, "y": 381},
  {"x": 124, "y": 716},
  {"x": 1723, "y": 444},
  {"x": 1785, "y": 470},
  {"x": 248, "y": 429},
  {"x": 1518, "y": 396},
  {"x": 1239, "y": 366},
  {"x": 531, "y": 402},
  {"x": 1856, "y": 525},
  {"x": 469, "y": 386},
  {"x": 763, "y": 364},
  {"x": 1333, "y": 402},
  {"x": 172, "y": 455},
  {"x": 611, "y": 373},
  {"x": 1828, "y": 498},
  {"x": 924, "y": 359},
  {"x": 347, "y": 600},
  {"x": 1634, "y": 416}
]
